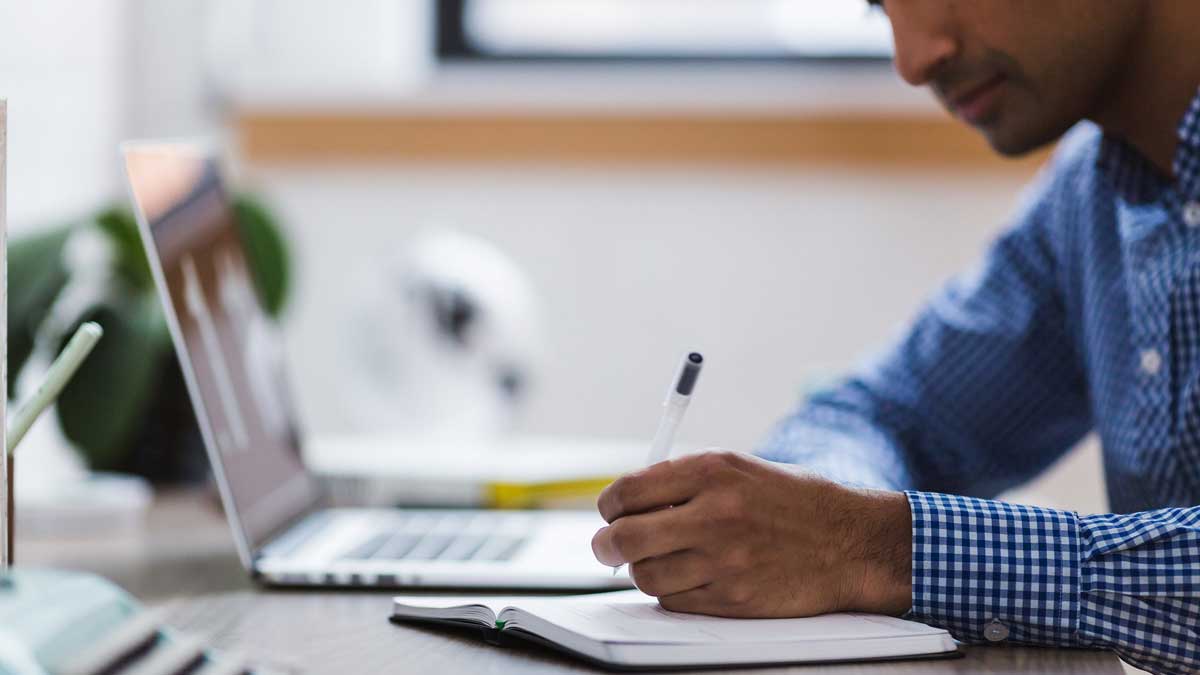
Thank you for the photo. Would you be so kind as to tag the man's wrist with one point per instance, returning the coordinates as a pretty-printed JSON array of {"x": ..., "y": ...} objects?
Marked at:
[{"x": 879, "y": 553}]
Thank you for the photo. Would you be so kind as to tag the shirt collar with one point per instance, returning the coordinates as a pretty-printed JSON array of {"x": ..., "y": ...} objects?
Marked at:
[{"x": 1136, "y": 179}]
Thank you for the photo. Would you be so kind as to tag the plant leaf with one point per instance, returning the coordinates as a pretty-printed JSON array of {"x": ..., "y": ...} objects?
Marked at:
[
  {"x": 103, "y": 405},
  {"x": 36, "y": 275},
  {"x": 266, "y": 252},
  {"x": 132, "y": 267}
]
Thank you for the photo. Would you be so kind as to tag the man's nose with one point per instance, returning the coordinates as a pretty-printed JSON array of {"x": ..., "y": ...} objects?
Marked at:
[{"x": 924, "y": 44}]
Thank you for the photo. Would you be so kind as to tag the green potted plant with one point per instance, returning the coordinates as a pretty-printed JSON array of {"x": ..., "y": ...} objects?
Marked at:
[{"x": 127, "y": 409}]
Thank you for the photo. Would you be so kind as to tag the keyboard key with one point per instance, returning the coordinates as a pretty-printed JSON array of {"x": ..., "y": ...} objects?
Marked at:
[
  {"x": 397, "y": 547},
  {"x": 292, "y": 540},
  {"x": 463, "y": 547},
  {"x": 367, "y": 548},
  {"x": 499, "y": 548},
  {"x": 430, "y": 547},
  {"x": 511, "y": 550}
]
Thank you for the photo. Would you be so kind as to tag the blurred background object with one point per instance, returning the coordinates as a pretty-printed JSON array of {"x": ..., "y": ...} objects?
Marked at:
[
  {"x": 754, "y": 165},
  {"x": 303, "y": 46},
  {"x": 445, "y": 339},
  {"x": 86, "y": 624},
  {"x": 665, "y": 29}
]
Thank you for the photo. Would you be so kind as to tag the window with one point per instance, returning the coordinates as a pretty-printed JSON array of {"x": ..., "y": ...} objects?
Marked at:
[{"x": 662, "y": 29}]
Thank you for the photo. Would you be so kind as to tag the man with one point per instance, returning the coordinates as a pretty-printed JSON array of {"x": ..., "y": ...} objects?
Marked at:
[{"x": 1084, "y": 315}]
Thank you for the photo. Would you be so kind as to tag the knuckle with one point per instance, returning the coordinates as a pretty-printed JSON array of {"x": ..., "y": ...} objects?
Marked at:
[
  {"x": 737, "y": 593},
  {"x": 736, "y": 559},
  {"x": 716, "y": 464},
  {"x": 714, "y": 460},
  {"x": 612, "y": 499},
  {"x": 730, "y": 505},
  {"x": 728, "y": 457}
]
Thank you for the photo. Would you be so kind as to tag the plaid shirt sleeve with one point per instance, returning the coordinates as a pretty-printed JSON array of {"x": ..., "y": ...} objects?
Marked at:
[
  {"x": 983, "y": 391},
  {"x": 990, "y": 571}
]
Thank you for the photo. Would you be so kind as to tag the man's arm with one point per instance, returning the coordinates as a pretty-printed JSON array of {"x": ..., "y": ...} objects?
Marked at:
[
  {"x": 984, "y": 390},
  {"x": 986, "y": 387}
]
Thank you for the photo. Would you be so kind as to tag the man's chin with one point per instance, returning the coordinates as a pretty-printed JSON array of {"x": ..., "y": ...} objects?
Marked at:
[
  {"x": 1012, "y": 150},
  {"x": 1017, "y": 142}
]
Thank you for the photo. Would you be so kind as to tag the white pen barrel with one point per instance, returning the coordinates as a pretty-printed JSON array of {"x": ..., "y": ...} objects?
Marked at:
[
  {"x": 664, "y": 437},
  {"x": 674, "y": 406}
]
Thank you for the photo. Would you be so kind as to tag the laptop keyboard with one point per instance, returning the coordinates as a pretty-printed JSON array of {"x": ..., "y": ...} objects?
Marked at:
[{"x": 446, "y": 537}]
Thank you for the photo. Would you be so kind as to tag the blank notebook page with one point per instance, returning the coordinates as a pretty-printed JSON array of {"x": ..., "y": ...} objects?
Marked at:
[{"x": 632, "y": 617}]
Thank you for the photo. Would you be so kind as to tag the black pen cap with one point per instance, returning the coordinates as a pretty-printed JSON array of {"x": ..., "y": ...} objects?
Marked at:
[{"x": 689, "y": 374}]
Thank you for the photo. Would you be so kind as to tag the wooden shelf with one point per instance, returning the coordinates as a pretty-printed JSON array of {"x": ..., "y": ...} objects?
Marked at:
[{"x": 747, "y": 138}]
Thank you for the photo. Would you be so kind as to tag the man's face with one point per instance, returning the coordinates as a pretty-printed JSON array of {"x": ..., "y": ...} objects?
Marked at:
[{"x": 1022, "y": 72}]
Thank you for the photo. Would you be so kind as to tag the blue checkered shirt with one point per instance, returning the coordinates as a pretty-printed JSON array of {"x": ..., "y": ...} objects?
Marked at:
[{"x": 1083, "y": 315}]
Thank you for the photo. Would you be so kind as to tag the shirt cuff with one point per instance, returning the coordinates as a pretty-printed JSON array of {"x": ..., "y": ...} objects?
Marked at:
[{"x": 990, "y": 571}]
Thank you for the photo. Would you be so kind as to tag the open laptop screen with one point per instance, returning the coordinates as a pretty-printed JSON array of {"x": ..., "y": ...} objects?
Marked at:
[{"x": 228, "y": 348}]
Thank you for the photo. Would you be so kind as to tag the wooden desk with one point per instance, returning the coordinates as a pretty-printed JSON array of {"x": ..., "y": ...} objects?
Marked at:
[{"x": 184, "y": 562}]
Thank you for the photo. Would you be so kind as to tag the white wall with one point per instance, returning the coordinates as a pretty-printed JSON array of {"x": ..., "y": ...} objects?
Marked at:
[
  {"x": 169, "y": 93},
  {"x": 63, "y": 68},
  {"x": 774, "y": 275}
]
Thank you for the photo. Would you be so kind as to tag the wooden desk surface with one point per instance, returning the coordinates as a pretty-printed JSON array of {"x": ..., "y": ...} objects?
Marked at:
[{"x": 184, "y": 562}]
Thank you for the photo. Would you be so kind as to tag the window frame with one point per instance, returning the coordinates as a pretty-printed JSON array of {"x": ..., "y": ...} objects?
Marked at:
[{"x": 454, "y": 45}]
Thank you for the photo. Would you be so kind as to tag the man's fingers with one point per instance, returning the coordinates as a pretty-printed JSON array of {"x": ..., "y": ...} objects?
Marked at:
[
  {"x": 645, "y": 535},
  {"x": 672, "y": 573},
  {"x": 668, "y": 483},
  {"x": 656, "y": 486}
]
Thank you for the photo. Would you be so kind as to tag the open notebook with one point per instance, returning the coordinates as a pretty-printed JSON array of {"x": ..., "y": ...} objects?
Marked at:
[{"x": 627, "y": 629}]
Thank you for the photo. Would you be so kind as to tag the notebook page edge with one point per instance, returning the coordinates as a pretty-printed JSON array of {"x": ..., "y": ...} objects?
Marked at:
[{"x": 467, "y": 608}]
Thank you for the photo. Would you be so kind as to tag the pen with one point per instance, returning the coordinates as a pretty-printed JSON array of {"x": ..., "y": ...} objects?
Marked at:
[
  {"x": 676, "y": 403},
  {"x": 57, "y": 377}
]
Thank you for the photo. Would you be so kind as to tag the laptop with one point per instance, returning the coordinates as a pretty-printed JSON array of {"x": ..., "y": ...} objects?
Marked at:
[{"x": 231, "y": 357}]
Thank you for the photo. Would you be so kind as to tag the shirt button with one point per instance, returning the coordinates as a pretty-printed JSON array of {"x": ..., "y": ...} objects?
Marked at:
[
  {"x": 995, "y": 631},
  {"x": 1191, "y": 214},
  {"x": 1151, "y": 361}
]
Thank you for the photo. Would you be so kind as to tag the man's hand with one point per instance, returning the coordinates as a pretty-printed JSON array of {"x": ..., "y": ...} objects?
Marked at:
[{"x": 732, "y": 535}]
